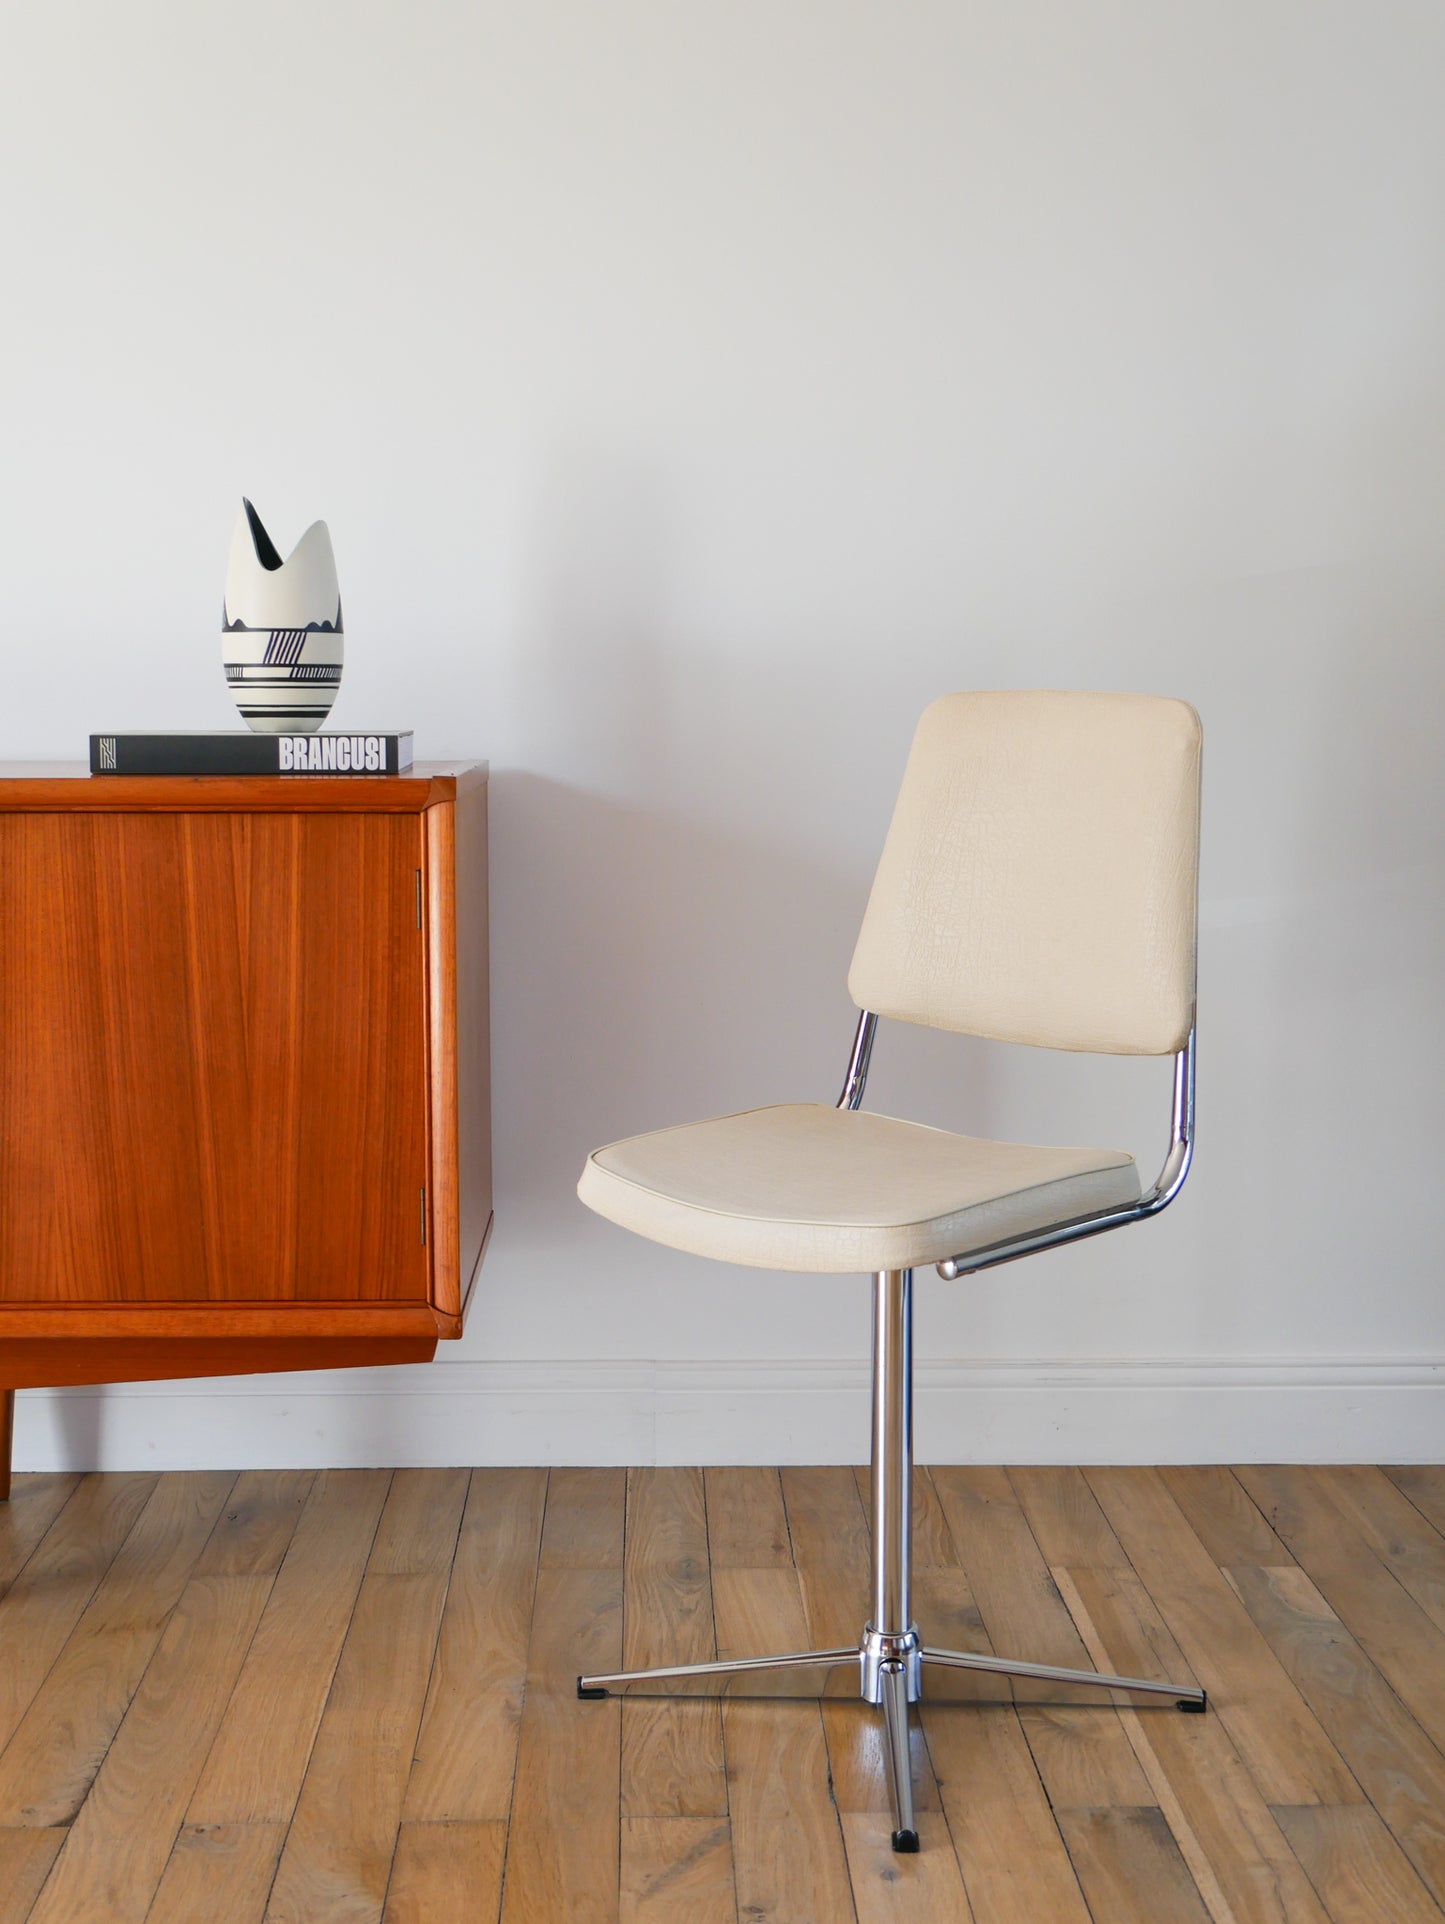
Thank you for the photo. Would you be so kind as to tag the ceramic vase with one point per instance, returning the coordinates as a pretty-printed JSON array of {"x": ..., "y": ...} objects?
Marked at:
[{"x": 281, "y": 638}]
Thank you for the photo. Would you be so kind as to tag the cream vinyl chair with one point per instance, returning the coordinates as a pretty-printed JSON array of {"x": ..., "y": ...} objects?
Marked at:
[{"x": 1037, "y": 885}]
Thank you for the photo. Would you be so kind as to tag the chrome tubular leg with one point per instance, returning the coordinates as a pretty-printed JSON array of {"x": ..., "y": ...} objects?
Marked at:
[
  {"x": 894, "y": 1678},
  {"x": 892, "y": 1449},
  {"x": 1186, "y": 1696},
  {"x": 617, "y": 1680}
]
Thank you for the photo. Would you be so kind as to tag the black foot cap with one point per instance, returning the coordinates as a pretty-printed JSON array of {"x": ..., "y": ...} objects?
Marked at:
[
  {"x": 905, "y": 1840},
  {"x": 581, "y": 1692},
  {"x": 1188, "y": 1703}
]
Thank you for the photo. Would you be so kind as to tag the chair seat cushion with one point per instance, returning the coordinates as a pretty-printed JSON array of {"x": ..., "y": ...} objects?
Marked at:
[{"x": 811, "y": 1188}]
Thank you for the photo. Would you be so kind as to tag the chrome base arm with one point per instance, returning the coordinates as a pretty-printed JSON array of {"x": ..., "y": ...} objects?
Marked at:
[
  {"x": 604, "y": 1685},
  {"x": 890, "y": 1675},
  {"x": 1186, "y": 1696}
]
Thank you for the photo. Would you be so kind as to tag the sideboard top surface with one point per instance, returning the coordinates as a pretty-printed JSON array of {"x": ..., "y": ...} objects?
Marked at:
[{"x": 48, "y": 786}]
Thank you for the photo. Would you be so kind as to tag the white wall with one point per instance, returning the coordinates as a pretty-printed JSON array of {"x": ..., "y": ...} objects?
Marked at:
[{"x": 693, "y": 392}]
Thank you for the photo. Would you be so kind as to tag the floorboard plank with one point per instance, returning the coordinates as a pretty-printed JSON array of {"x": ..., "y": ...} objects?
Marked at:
[
  {"x": 49, "y": 1764},
  {"x": 447, "y": 1874},
  {"x": 672, "y": 1757},
  {"x": 1015, "y": 1867},
  {"x": 1411, "y": 1549},
  {"x": 1424, "y": 1485},
  {"x": 1235, "y": 1851},
  {"x": 1276, "y": 1733},
  {"x": 747, "y": 1527},
  {"x": 562, "y": 1846},
  {"x": 788, "y": 1853},
  {"x": 50, "y": 1594},
  {"x": 584, "y": 1524},
  {"x": 677, "y": 1870},
  {"x": 337, "y": 1858},
  {"x": 1082, "y": 1754},
  {"x": 417, "y": 1535},
  {"x": 828, "y": 1524},
  {"x": 221, "y": 1872},
  {"x": 1390, "y": 1627},
  {"x": 25, "y": 1860},
  {"x": 254, "y": 1531},
  {"x": 467, "y": 1749},
  {"x": 253, "y": 1774},
  {"x": 1228, "y": 1524},
  {"x": 36, "y": 1500},
  {"x": 1399, "y": 1769},
  {"x": 1130, "y": 1867},
  {"x": 1070, "y": 1529},
  {"x": 117, "y": 1849},
  {"x": 1355, "y": 1865},
  {"x": 889, "y": 1889}
]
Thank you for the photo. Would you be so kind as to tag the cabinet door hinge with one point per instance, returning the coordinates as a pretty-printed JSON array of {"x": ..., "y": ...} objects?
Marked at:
[
  {"x": 423, "y": 1215},
  {"x": 418, "y": 898}
]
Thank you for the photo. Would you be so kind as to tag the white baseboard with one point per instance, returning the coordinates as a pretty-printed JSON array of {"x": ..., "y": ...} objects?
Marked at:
[{"x": 1331, "y": 1410}]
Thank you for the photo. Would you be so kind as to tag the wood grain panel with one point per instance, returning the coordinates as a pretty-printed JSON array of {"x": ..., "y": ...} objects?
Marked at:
[
  {"x": 79, "y": 1360},
  {"x": 472, "y": 1040},
  {"x": 211, "y": 1043},
  {"x": 45, "y": 787},
  {"x": 7, "y": 1440}
]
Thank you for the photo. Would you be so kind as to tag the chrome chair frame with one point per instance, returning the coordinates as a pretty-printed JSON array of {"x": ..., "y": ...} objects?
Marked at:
[{"x": 889, "y": 1653}]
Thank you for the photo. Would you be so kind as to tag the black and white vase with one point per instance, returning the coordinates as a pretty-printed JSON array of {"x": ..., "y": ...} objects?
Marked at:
[{"x": 281, "y": 637}]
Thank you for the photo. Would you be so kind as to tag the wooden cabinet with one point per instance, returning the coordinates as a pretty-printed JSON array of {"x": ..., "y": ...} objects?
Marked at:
[{"x": 244, "y": 1082}]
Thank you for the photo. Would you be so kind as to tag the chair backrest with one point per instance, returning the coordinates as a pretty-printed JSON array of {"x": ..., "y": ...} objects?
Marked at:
[{"x": 1039, "y": 878}]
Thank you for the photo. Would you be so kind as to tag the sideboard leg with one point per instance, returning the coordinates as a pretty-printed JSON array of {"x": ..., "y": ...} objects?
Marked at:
[{"x": 7, "y": 1433}]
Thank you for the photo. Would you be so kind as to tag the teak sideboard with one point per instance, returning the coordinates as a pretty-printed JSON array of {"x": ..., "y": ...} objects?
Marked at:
[{"x": 245, "y": 1116}]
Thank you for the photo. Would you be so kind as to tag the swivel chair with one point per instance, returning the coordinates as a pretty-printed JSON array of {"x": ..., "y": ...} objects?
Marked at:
[{"x": 1037, "y": 885}]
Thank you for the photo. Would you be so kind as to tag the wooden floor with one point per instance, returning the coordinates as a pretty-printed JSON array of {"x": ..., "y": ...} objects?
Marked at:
[{"x": 350, "y": 1695}]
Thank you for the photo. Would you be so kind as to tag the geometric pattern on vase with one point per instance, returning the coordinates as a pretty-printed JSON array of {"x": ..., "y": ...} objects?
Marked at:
[{"x": 281, "y": 636}]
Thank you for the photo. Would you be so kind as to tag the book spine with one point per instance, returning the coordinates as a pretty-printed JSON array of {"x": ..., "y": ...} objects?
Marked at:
[
  {"x": 319, "y": 754},
  {"x": 184, "y": 755}
]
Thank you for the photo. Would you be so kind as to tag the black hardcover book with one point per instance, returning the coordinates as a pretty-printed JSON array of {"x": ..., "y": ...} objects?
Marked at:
[{"x": 242, "y": 753}]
